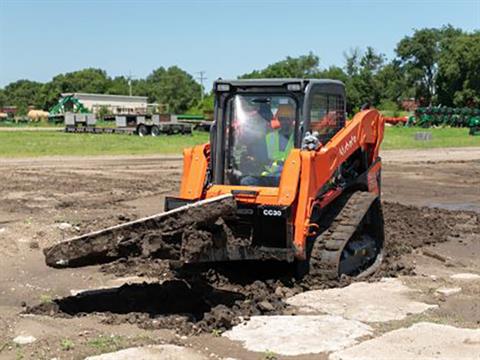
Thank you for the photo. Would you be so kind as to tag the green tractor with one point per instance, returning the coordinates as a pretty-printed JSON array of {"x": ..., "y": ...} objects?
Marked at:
[
  {"x": 474, "y": 123},
  {"x": 66, "y": 104}
]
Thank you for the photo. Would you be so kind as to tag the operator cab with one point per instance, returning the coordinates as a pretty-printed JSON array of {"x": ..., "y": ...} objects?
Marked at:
[{"x": 258, "y": 122}]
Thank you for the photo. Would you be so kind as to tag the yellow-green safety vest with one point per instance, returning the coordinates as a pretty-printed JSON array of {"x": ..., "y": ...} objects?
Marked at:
[
  {"x": 275, "y": 154},
  {"x": 273, "y": 146}
]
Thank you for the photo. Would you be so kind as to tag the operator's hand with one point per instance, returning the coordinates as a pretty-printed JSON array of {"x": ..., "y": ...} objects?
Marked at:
[{"x": 275, "y": 169}]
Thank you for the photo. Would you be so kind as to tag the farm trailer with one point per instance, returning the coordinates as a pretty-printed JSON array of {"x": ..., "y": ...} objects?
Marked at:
[{"x": 142, "y": 125}]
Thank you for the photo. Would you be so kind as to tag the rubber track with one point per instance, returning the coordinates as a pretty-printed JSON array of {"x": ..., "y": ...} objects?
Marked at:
[{"x": 328, "y": 246}]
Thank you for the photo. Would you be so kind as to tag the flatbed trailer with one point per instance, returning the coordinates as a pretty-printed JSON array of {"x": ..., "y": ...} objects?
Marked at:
[{"x": 142, "y": 125}]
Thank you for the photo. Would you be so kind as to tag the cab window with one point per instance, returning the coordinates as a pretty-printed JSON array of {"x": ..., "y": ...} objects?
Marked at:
[{"x": 327, "y": 115}]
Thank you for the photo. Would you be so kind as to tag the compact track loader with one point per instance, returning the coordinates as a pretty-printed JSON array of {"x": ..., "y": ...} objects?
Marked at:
[{"x": 284, "y": 177}]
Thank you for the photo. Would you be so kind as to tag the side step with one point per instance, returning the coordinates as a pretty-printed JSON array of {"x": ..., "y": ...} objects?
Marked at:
[{"x": 159, "y": 235}]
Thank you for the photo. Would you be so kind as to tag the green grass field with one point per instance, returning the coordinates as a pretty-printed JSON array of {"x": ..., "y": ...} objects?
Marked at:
[
  {"x": 28, "y": 124},
  {"x": 32, "y": 143},
  {"x": 404, "y": 138}
]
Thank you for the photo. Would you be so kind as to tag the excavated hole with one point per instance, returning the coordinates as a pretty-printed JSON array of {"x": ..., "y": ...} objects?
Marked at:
[{"x": 170, "y": 297}]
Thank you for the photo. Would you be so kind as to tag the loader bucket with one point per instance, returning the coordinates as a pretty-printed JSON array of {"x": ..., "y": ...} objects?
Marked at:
[
  {"x": 198, "y": 232},
  {"x": 159, "y": 236}
]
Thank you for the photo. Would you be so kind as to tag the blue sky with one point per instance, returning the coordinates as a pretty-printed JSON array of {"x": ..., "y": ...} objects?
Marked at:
[{"x": 39, "y": 39}]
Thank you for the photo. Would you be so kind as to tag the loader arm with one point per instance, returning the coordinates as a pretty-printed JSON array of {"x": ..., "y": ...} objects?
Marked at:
[{"x": 365, "y": 132}]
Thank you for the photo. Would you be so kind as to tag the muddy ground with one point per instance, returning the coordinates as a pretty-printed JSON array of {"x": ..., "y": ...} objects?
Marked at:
[{"x": 431, "y": 206}]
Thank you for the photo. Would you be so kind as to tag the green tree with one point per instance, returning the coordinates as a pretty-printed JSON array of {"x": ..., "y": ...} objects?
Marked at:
[
  {"x": 204, "y": 107},
  {"x": 334, "y": 73},
  {"x": 305, "y": 66},
  {"x": 458, "y": 79},
  {"x": 419, "y": 55},
  {"x": 363, "y": 84},
  {"x": 119, "y": 86},
  {"x": 87, "y": 80},
  {"x": 394, "y": 83},
  {"x": 173, "y": 86},
  {"x": 3, "y": 98},
  {"x": 22, "y": 94}
]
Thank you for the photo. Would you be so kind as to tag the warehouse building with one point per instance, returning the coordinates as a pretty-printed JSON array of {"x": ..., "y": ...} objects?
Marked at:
[{"x": 115, "y": 104}]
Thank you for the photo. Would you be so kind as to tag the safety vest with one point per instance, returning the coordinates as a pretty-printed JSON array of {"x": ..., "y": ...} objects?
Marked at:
[{"x": 273, "y": 146}]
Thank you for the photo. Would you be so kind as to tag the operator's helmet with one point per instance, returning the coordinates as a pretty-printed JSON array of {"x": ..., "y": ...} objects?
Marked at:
[{"x": 286, "y": 116}]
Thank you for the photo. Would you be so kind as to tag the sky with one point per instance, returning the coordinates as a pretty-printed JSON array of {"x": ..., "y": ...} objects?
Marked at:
[{"x": 40, "y": 39}]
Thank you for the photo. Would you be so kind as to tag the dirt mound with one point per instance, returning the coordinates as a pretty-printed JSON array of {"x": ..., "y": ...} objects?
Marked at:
[
  {"x": 192, "y": 300},
  {"x": 409, "y": 227}
]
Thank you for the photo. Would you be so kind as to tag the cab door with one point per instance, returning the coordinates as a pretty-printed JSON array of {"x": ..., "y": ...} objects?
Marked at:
[{"x": 325, "y": 110}]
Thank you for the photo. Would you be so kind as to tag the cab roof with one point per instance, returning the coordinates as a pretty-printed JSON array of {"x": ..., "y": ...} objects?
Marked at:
[{"x": 276, "y": 82}]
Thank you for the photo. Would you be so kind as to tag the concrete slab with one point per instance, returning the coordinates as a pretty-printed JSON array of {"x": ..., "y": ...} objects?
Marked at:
[
  {"x": 152, "y": 352},
  {"x": 298, "y": 335},
  {"x": 24, "y": 339},
  {"x": 381, "y": 301},
  {"x": 421, "y": 341},
  {"x": 465, "y": 276},
  {"x": 448, "y": 291}
]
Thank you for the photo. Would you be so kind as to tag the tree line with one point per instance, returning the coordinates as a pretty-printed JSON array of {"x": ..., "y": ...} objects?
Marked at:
[
  {"x": 434, "y": 66},
  {"x": 172, "y": 86}
]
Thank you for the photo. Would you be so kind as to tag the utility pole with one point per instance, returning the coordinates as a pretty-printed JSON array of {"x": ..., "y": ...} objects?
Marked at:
[
  {"x": 129, "y": 79},
  {"x": 201, "y": 78}
]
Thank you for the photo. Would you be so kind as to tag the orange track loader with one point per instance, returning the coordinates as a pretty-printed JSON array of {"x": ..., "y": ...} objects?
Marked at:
[{"x": 285, "y": 176}]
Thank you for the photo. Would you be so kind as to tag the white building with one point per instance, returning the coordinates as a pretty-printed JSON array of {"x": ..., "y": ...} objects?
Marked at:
[{"x": 116, "y": 104}]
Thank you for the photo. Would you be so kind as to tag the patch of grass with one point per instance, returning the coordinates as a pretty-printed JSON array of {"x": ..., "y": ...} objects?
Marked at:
[
  {"x": 106, "y": 343},
  {"x": 46, "y": 299},
  {"x": 404, "y": 138},
  {"x": 269, "y": 355},
  {"x": 5, "y": 345},
  {"x": 216, "y": 332},
  {"x": 67, "y": 344},
  {"x": 31, "y": 144},
  {"x": 28, "y": 124}
]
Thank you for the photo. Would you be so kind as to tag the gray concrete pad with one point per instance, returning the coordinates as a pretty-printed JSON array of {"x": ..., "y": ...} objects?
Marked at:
[
  {"x": 465, "y": 276},
  {"x": 421, "y": 341},
  {"x": 381, "y": 301},
  {"x": 446, "y": 291},
  {"x": 24, "y": 339},
  {"x": 152, "y": 352},
  {"x": 298, "y": 335}
]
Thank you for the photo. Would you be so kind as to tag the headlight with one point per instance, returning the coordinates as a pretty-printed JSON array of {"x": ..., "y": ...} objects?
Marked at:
[
  {"x": 223, "y": 87},
  {"x": 294, "y": 87}
]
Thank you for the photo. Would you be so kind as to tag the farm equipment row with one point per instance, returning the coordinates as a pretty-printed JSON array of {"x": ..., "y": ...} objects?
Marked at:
[{"x": 446, "y": 116}]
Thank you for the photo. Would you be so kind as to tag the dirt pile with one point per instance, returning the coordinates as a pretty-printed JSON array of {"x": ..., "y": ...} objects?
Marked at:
[
  {"x": 192, "y": 300},
  {"x": 410, "y": 227}
]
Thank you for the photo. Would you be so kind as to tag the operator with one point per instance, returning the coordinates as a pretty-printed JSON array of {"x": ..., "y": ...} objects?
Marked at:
[
  {"x": 280, "y": 140},
  {"x": 277, "y": 143}
]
